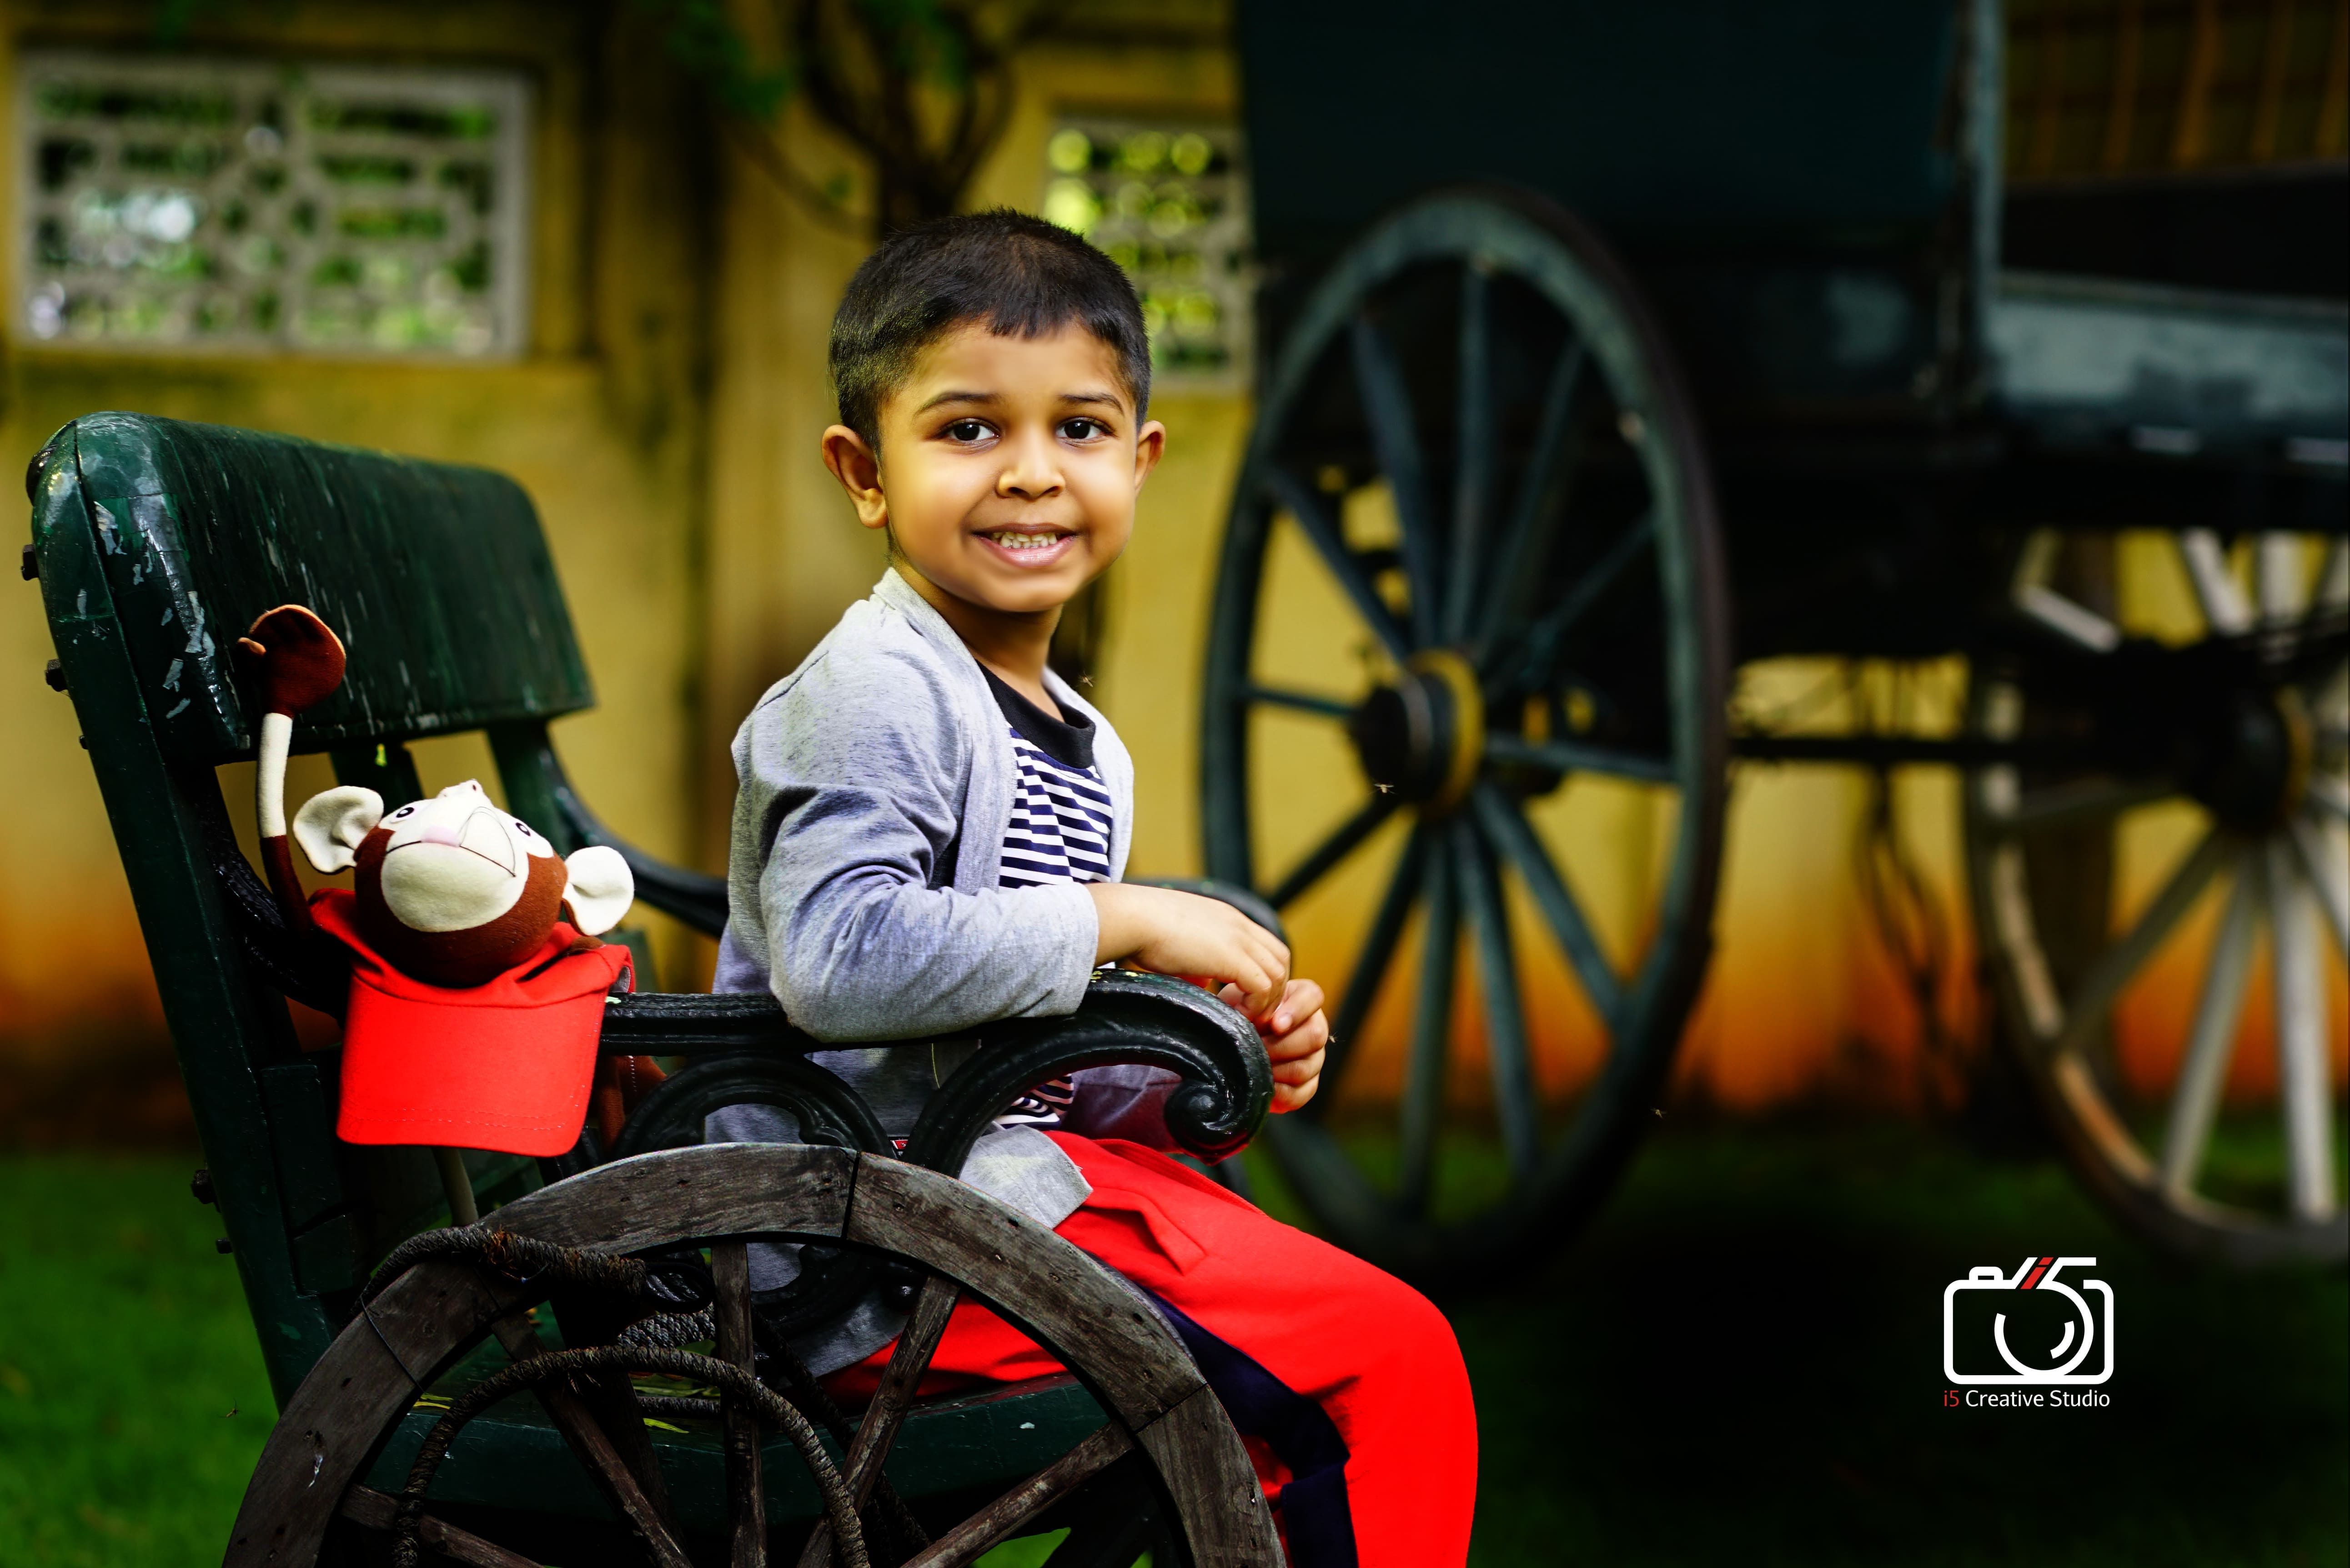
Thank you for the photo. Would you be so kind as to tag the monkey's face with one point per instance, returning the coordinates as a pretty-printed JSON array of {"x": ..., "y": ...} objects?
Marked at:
[
  {"x": 456, "y": 861},
  {"x": 452, "y": 889}
]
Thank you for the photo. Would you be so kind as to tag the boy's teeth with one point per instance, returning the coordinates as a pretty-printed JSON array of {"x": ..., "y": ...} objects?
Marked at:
[{"x": 1012, "y": 541}]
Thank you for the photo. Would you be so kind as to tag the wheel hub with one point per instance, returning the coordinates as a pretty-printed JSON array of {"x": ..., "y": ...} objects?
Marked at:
[
  {"x": 2251, "y": 759},
  {"x": 1424, "y": 736}
]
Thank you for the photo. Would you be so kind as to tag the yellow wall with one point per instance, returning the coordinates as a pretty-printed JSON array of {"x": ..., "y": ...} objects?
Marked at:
[
  {"x": 599, "y": 420},
  {"x": 666, "y": 422}
]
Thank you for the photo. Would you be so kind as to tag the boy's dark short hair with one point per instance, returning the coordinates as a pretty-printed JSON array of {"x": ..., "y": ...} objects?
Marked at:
[{"x": 1021, "y": 276}]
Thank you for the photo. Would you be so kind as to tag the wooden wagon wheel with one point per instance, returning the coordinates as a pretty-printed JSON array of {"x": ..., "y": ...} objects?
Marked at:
[
  {"x": 1164, "y": 1426},
  {"x": 2239, "y": 718},
  {"x": 1475, "y": 449}
]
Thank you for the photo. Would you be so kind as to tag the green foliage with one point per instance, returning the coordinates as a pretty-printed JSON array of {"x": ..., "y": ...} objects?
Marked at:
[{"x": 703, "y": 41}]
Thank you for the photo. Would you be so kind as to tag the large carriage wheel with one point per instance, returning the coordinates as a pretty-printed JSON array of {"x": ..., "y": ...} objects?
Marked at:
[
  {"x": 1465, "y": 687},
  {"x": 1165, "y": 1448},
  {"x": 2222, "y": 718}
]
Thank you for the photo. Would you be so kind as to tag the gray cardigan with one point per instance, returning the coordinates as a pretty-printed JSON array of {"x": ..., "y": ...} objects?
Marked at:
[{"x": 876, "y": 785}]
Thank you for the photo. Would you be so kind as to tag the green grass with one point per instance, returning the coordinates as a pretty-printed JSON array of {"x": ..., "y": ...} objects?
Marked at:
[
  {"x": 132, "y": 1400},
  {"x": 1741, "y": 1362}
]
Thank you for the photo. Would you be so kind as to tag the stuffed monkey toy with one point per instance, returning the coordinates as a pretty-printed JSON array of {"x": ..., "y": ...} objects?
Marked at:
[{"x": 478, "y": 980}]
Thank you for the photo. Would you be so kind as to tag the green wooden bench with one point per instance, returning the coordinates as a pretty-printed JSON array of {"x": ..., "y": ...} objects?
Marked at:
[{"x": 155, "y": 544}]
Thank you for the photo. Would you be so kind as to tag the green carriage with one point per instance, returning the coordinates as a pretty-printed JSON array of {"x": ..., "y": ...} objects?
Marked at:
[{"x": 1611, "y": 346}]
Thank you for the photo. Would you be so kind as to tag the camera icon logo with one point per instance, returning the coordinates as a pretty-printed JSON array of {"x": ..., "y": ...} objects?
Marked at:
[{"x": 2047, "y": 1311}]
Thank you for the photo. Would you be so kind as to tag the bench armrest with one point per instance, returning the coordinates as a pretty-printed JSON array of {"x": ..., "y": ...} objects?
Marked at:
[
  {"x": 301, "y": 965},
  {"x": 1125, "y": 1017}
]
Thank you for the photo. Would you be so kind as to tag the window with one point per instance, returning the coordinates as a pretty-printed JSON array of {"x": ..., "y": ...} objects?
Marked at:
[
  {"x": 1167, "y": 201},
  {"x": 181, "y": 206}
]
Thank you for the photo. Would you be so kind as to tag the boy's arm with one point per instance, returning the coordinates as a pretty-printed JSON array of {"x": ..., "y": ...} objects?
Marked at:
[
  {"x": 1173, "y": 933},
  {"x": 851, "y": 799}
]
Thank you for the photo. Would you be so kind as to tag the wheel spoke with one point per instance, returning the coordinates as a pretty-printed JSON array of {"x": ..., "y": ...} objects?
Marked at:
[
  {"x": 2333, "y": 576},
  {"x": 2329, "y": 876},
  {"x": 2211, "y": 1041},
  {"x": 967, "y": 1541},
  {"x": 374, "y": 1510},
  {"x": 2331, "y": 794},
  {"x": 2278, "y": 573},
  {"x": 916, "y": 1343},
  {"x": 2304, "y": 1082},
  {"x": 2224, "y": 610},
  {"x": 1513, "y": 839},
  {"x": 1395, "y": 436},
  {"x": 1472, "y": 493},
  {"x": 1517, "y": 1104},
  {"x": 730, "y": 1270},
  {"x": 1295, "y": 497},
  {"x": 2115, "y": 966},
  {"x": 1422, "y": 1110},
  {"x": 1342, "y": 843},
  {"x": 2075, "y": 623},
  {"x": 2013, "y": 810},
  {"x": 1543, "y": 641},
  {"x": 1301, "y": 702},
  {"x": 1575, "y": 757},
  {"x": 1508, "y": 567},
  {"x": 593, "y": 1446},
  {"x": 1371, "y": 963}
]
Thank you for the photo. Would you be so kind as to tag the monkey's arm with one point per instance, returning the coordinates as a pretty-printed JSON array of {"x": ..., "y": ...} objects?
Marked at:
[{"x": 298, "y": 663}]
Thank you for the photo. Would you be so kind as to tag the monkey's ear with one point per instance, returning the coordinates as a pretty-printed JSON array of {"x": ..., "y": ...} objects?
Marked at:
[
  {"x": 602, "y": 889},
  {"x": 330, "y": 826}
]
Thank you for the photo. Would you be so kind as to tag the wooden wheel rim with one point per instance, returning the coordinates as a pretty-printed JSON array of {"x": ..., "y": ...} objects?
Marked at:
[
  {"x": 2153, "y": 1191},
  {"x": 1497, "y": 232},
  {"x": 1102, "y": 1330}
]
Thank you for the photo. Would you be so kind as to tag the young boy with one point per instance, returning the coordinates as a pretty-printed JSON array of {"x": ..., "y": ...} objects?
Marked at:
[{"x": 929, "y": 834}]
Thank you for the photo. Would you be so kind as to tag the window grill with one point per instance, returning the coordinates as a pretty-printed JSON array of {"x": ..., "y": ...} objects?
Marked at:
[
  {"x": 182, "y": 205},
  {"x": 1169, "y": 203}
]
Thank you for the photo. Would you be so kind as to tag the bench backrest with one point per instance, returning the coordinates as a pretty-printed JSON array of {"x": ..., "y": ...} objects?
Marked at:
[{"x": 157, "y": 543}]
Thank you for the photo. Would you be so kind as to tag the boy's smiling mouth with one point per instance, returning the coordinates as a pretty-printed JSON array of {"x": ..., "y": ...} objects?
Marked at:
[{"x": 1029, "y": 546}]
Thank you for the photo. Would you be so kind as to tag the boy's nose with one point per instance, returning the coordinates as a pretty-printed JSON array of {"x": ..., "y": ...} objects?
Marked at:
[{"x": 1030, "y": 473}]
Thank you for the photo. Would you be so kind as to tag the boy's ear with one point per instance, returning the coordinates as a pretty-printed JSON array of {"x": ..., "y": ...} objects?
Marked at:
[
  {"x": 858, "y": 468},
  {"x": 1150, "y": 446}
]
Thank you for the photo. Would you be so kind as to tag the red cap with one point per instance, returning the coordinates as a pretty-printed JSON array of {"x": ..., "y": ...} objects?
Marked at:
[{"x": 505, "y": 1066}]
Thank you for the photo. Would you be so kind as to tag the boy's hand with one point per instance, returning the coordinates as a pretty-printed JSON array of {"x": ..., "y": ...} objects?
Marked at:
[
  {"x": 1172, "y": 932},
  {"x": 1297, "y": 1036}
]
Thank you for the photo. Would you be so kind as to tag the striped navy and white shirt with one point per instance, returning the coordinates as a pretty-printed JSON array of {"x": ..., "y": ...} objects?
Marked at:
[{"x": 1059, "y": 832}]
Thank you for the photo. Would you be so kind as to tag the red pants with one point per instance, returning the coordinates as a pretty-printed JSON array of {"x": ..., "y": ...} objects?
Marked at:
[{"x": 1346, "y": 1384}]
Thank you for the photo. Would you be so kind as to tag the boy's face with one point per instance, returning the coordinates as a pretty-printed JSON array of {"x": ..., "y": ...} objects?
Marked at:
[{"x": 1009, "y": 468}]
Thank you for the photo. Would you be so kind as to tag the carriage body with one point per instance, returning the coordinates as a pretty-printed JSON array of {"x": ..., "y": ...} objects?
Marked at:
[
  {"x": 1810, "y": 198},
  {"x": 1606, "y": 349}
]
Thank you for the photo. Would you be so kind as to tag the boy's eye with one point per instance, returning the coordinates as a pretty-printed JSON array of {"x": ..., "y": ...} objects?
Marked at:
[
  {"x": 966, "y": 430},
  {"x": 1082, "y": 429}
]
